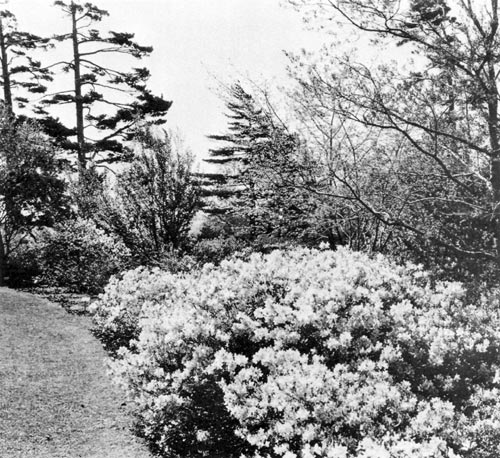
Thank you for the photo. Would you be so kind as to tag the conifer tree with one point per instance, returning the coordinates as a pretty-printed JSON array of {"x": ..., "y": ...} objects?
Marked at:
[
  {"x": 248, "y": 125},
  {"x": 20, "y": 71},
  {"x": 97, "y": 88},
  {"x": 262, "y": 166}
]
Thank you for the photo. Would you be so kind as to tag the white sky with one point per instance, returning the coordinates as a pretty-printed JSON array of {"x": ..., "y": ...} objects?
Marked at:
[{"x": 194, "y": 41}]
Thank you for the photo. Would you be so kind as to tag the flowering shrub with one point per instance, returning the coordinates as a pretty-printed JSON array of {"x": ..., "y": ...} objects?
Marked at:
[
  {"x": 315, "y": 354},
  {"x": 79, "y": 255},
  {"x": 116, "y": 312}
]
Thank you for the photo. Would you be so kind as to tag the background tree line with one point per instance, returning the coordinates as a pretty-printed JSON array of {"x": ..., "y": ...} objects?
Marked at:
[
  {"x": 386, "y": 156},
  {"x": 391, "y": 157}
]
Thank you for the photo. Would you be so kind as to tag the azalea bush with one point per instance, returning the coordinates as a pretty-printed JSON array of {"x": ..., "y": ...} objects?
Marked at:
[
  {"x": 80, "y": 256},
  {"x": 313, "y": 353},
  {"x": 117, "y": 311}
]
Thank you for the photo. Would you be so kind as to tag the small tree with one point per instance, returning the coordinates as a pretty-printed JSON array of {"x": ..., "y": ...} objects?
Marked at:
[
  {"x": 31, "y": 190},
  {"x": 156, "y": 198}
]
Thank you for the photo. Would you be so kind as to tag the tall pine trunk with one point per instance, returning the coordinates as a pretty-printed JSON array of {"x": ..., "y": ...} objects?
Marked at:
[
  {"x": 80, "y": 133},
  {"x": 7, "y": 94}
]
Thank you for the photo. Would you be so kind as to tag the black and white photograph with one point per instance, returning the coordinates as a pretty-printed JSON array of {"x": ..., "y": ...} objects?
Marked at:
[{"x": 249, "y": 229}]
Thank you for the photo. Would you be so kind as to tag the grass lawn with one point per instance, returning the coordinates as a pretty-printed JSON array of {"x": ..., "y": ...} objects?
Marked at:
[{"x": 56, "y": 399}]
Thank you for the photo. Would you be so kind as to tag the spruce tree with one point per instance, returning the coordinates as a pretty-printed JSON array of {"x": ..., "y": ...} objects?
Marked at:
[{"x": 262, "y": 165}]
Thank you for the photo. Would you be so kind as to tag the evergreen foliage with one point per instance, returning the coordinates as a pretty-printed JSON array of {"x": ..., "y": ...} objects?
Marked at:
[
  {"x": 32, "y": 192},
  {"x": 98, "y": 87},
  {"x": 79, "y": 256},
  {"x": 20, "y": 71},
  {"x": 263, "y": 166}
]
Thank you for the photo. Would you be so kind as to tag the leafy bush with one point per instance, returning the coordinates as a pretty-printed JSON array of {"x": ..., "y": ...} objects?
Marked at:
[
  {"x": 81, "y": 256},
  {"x": 32, "y": 192},
  {"x": 174, "y": 261},
  {"x": 314, "y": 353},
  {"x": 154, "y": 199},
  {"x": 117, "y": 311},
  {"x": 23, "y": 265},
  {"x": 216, "y": 249}
]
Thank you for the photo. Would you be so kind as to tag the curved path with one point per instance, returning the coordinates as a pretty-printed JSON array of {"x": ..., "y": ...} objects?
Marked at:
[{"x": 56, "y": 399}]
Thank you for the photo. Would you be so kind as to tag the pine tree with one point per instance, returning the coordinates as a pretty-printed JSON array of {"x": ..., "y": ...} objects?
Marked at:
[
  {"x": 20, "y": 71},
  {"x": 97, "y": 86}
]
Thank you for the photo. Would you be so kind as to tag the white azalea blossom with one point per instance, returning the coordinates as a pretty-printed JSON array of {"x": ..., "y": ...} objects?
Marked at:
[{"x": 308, "y": 354}]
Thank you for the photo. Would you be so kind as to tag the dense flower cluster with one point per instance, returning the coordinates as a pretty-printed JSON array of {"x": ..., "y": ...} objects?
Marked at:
[
  {"x": 313, "y": 353},
  {"x": 116, "y": 312}
]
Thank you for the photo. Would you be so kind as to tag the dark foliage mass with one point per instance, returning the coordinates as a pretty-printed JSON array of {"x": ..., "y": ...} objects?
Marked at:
[{"x": 32, "y": 193}]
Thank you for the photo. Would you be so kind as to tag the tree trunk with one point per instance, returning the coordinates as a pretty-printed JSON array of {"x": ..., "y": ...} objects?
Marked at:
[
  {"x": 495, "y": 183},
  {"x": 7, "y": 94},
  {"x": 493, "y": 130},
  {"x": 82, "y": 158},
  {"x": 3, "y": 262}
]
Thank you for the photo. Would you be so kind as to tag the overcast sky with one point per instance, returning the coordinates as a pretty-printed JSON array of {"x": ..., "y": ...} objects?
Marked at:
[{"x": 195, "y": 41}]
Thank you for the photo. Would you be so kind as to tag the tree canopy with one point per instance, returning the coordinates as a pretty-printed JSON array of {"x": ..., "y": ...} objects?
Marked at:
[
  {"x": 108, "y": 101},
  {"x": 427, "y": 133}
]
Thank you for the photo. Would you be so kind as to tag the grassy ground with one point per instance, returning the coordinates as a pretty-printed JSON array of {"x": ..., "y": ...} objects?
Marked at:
[{"x": 56, "y": 399}]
